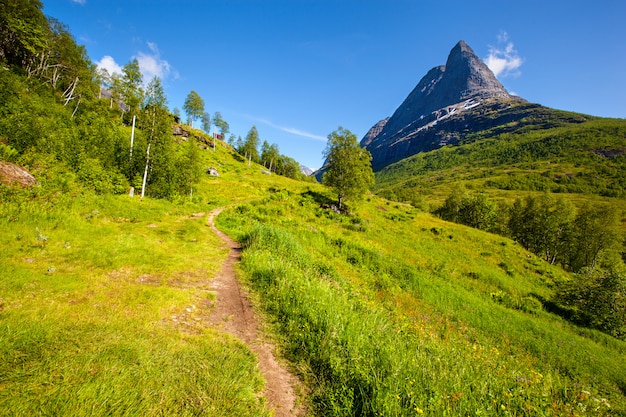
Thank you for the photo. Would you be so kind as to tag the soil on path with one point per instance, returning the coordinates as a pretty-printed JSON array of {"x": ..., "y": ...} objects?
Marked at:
[{"x": 233, "y": 313}]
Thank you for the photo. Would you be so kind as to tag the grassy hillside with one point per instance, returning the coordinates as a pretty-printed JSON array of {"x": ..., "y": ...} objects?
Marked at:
[
  {"x": 105, "y": 299},
  {"x": 586, "y": 158},
  {"x": 386, "y": 311},
  {"x": 391, "y": 311}
]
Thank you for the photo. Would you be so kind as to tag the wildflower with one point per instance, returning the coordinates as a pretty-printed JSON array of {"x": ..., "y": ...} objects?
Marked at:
[{"x": 419, "y": 410}]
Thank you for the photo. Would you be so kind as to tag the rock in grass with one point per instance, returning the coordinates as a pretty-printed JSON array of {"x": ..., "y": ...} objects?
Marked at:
[{"x": 11, "y": 174}]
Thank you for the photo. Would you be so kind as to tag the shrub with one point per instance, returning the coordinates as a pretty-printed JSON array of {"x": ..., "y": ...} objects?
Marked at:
[{"x": 599, "y": 298}]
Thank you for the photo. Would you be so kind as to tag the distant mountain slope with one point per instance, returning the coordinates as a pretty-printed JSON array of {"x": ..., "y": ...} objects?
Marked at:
[
  {"x": 542, "y": 152},
  {"x": 306, "y": 170}
]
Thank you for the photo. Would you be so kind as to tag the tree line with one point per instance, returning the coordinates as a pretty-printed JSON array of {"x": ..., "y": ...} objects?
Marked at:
[
  {"x": 549, "y": 226},
  {"x": 114, "y": 131},
  {"x": 267, "y": 155},
  {"x": 111, "y": 131},
  {"x": 587, "y": 242}
]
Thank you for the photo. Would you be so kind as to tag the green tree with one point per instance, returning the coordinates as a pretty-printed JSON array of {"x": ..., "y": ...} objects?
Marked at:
[
  {"x": 237, "y": 143},
  {"x": 478, "y": 211},
  {"x": 67, "y": 67},
  {"x": 269, "y": 155},
  {"x": 130, "y": 87},
  {"x": 452, "y": 206},
  {"x": 348, "y": 167},
  {"x": 599, "y": 299},
  {"x": 221, "y": 124},
  {"x": 250, "y": 145},
  {"x": 155, "y": 103},
  {"x": 542, "y": 225},
  {"x": 189, "y": 167},
  {"x": 117, "y": 92},
  {"x": 163, "y": 180},
  {"x": 206, "y": 123},
  {"x": 556, "y": 221},
  {"x": 194, "y": 106},
  {"x": 23, "y": 31},
  {"x": 288, "y": 167},
  {"x": 595, "y": 239}
]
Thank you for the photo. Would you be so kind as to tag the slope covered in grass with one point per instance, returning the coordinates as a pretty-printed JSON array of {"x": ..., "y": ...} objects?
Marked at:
[
  {"x": 393, "y": 312},
  {"x": 387, "y": 310},
  {"x": 104, "y": 301},
  {"x": 586, "y": 158}
]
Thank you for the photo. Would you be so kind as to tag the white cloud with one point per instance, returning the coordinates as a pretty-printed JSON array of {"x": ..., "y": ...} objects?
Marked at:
[
  {"x": 291, "y": 130},
  {"x": 81, "y": 2},
  {"x": 504, "y": 60},
  {"x": 108, "y": 63},
  {"x": 302, "y": 133},
  {"x": 151, "y": 64}
]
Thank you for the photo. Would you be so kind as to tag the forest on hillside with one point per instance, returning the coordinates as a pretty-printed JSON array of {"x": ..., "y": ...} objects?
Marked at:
[{"x": 77, "y": 124}]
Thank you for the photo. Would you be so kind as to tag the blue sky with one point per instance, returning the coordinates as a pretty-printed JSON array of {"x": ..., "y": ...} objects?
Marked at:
[{"x": 299, "y": 69}]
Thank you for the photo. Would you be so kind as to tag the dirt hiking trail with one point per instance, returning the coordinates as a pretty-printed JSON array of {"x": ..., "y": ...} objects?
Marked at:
[{"x": 234, "y": 314}]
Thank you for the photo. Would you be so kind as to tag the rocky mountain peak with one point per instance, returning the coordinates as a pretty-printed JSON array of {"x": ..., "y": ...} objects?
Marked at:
[
  {"x": 468, "y": 75},
  {"x": 374, "y": 131},
  {"x": 463, "y": 77},
  {"x": 446, "y": 91}
]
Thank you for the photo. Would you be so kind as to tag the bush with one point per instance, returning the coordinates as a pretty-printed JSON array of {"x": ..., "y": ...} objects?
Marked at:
[
  {"x": 102, "y": 181},
  {"x": 599, "y": 300},
  {"x": 472, "y": 210}
]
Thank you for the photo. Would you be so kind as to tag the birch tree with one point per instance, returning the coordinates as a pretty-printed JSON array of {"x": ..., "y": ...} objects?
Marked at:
[
  {"x": 194, "y": 106},
  {"x": 157, "y": 123},
  {"x": 348, "y": 166},
  {"x": 130, "y": 85}
]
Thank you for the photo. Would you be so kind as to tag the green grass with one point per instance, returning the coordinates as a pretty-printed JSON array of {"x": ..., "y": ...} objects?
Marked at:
[
  {"x": 393, "y": 312},
  {"x": 386, "y": 311},
  {"x": 103, "y": 311},
  {"x": 579, "y": 160},
  {"x": 104, "y": 300}
]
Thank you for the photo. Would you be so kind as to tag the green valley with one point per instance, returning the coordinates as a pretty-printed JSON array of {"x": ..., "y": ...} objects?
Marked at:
[{"x": 380, "y": 307}]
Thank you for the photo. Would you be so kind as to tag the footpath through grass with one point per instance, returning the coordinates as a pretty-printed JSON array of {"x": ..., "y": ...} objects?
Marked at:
[
  {"x": 385, "y": 312},
  {"x": 391, "y": 312},
  {"x": 104, "y": 300},
  {"x": 104, "y": 304}
]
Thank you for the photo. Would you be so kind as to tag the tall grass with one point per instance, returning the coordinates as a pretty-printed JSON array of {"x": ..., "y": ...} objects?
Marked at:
[
  {"x": 379, "y": 334},
  {"x": 104, "y": 304},
  {"x": 386, "y": 311}
]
